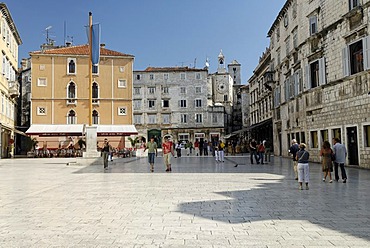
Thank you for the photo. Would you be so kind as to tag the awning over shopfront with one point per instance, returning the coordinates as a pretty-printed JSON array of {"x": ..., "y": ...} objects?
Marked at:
[
  {"x": 228, "y": 136},
  {"x": 116, "y": 130},
  {"x": 56, "y": 130},
  {"x": 79, "y": 130}
]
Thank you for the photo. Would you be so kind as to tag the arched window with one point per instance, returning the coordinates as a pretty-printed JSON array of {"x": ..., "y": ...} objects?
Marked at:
[
  {"x": 71, "y": 119},
  {"x": 95, "y": 90},
  {"x": 72, "y": 66},
  {"x": 95, "y": 117},
  {"x": 95, "y": 93},
  {"x": 71, "y": 90}
]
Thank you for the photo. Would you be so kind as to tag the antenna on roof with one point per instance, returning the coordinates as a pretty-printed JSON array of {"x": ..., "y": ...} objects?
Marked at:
[
  {"x": 49, "y": 41},
  {"x": 195, "y": 62}
]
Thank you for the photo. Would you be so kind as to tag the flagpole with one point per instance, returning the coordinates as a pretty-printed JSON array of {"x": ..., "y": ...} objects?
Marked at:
[{"x": 90, "y": 69}]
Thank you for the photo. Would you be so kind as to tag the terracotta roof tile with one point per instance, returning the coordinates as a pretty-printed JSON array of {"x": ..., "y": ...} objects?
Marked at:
[{"x": 80, "y": 50}]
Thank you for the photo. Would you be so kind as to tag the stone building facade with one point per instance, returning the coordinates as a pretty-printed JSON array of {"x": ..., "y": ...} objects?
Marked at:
[
  {"x": 260, "y": 96},
  {"x": 9, "y": 86},
  {"x": 320, "y": 61},
  {"x": 176, "y": 101}
]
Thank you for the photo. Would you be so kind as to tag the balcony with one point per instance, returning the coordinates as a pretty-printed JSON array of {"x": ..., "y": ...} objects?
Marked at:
[
  {"x": 268, "y": 80},
  {"x": 13, "y": 89}
]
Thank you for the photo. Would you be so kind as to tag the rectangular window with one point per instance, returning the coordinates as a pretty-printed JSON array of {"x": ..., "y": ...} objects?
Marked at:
[
  {"x": 137, "y": 119},
  {"x": 295, "y": 38},
  {"x": 287, "y": 45},
  {"x": 198, "y": 103},
  {"x": 214, "y": 118},
  {"x": 337, "y": 133},
  {"x": 197, "y": 76},
  {"x": 95, "y": 69},
  {"x": 151, "y": 76},
  {"x": 165, "y": 103},
  {"x": 303, "y": 137},
  {"x": 182, "y": 90},
  {"x": 183, "y": 137},
  {"x": 165, "y": 90},
  {"x": 41, "y": 111},
  {"x": 122, "y": 83},
  {"x": 122, "y": 111},
  {"x": 356, "y": 57},
  {"x": 165, "y": 76},
  {"x": 198, "y": 90},
  {"x": 182, "y": 76},
  {"x": 314, "y": 140},
  {"x": 121, "y": 69},
  {"x": 316, "y": 74},
  {"x": 137, "y": 91},
  {"x": 184, "y": 118},
  {"x": 313, "y": 25},
  {"x": 166, "y": 119},
  {"x": 367, "y": 135},
  {"x": 183, "y": 103},
  {"x": 138, "y": 77},
  {"x": 137, "y": 104},
  {"x": 324, "y": 135},
  {"x": 353, "y": 4},
  {"x": 42, "y": 67},
  {"x": 198, "y": 118},
  {"x": 151, "y": 104},
  {"x": 41, "y": 82},
  {"x": 152, "y": 119},
  {"x": 151, "y": 90},
  {"x": 226, "y": 98}
]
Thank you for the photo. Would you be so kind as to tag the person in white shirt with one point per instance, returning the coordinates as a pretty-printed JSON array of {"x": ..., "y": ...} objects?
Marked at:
[{"x": 340, "y": 154}]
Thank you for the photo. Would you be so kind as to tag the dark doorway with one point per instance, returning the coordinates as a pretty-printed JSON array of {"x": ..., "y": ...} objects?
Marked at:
[
  {"x": 156, "y": 133},
  {"x": 352, "y": 145}
]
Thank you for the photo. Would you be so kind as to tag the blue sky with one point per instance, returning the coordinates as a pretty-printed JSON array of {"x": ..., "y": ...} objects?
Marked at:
[{"x": 157, "y": 32}]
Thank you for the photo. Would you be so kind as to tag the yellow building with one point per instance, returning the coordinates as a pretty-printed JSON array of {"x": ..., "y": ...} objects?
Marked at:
[
  {"x": 9, "y": 87},
  {"x": 60, "y": 95}
]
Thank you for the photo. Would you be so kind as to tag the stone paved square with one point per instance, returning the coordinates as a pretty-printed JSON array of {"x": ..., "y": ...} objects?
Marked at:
[{"x": 202, "y": 203}]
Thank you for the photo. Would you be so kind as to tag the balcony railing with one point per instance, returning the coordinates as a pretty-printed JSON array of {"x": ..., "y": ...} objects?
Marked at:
[{"x": 13, "y": 88}]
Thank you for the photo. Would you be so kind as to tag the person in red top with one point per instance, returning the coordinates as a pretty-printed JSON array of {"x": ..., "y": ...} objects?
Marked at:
[
  {"x": 167, "y": 148},
  {"x": 196, "y": 147}
]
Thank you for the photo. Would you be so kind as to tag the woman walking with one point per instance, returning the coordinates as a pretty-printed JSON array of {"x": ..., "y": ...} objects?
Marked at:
[
  {"x": 327, "y": 164},
  {"x": 303, "y": 167}
]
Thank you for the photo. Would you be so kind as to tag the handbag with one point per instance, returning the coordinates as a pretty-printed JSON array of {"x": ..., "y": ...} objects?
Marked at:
[{"x": 332, "y": 156}]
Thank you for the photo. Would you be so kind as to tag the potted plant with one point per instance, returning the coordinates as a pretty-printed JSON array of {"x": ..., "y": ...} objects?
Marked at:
[{"x": 133, "y": 145}]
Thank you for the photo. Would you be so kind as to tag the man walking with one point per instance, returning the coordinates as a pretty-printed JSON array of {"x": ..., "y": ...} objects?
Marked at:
[
  {"x": 340, "y": 154},
  {"x": 107, "y": 148},
  {"x": 167, "y": 147},
  {"x": 293, "y": 150},
  {"x": 253, "y": 151},
  {"x": 152, "y": 152}
]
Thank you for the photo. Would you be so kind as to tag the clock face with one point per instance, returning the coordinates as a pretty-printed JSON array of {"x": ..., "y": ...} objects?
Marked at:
[{"x": 221, "y": 87}]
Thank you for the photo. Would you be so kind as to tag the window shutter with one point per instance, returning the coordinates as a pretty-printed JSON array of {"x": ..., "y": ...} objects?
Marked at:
[
  {"x": 322, "y": 71},
  {"x": 286, "y": 85},
  {"x": 345, "y": 61},
  {"x": 296, "y": 83},
  {"x": 307, "y": 84},
  {"x": 366, "y": 45}
]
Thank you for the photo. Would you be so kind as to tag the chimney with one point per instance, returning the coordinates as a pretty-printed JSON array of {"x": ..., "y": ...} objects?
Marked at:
[
  {"x": 68, "y": 44},
  {"x": 102, "y": 45}
]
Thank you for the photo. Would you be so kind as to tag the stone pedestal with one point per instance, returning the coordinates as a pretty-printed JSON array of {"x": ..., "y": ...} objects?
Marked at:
[{"x": 91, "y": 139}]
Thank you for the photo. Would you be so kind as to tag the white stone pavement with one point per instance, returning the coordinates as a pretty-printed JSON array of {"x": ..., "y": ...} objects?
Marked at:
[{"x": 44, "y": 203}]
